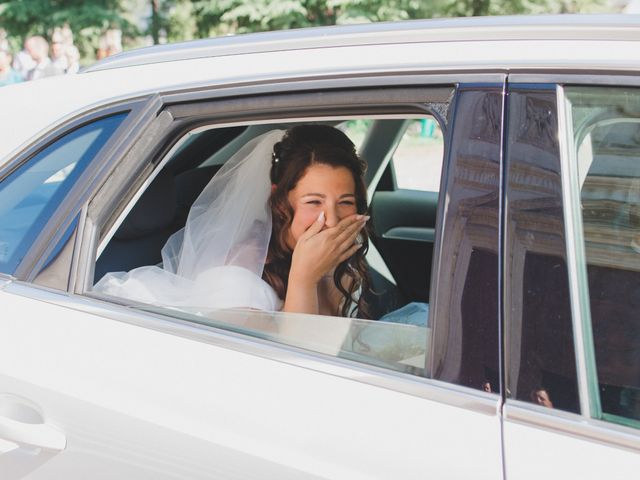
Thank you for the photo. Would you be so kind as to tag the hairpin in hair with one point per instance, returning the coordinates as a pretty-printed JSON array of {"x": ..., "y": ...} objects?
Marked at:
[{"x": 274, "y": 157}]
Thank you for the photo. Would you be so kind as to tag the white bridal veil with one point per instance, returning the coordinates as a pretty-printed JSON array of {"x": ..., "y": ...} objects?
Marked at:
[{"x": 216, "y": 261}]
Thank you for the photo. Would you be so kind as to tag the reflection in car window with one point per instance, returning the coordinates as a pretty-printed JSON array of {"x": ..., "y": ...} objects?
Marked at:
[
  {"x": 31, "y": 194},
  {"x": 540, "y": 351},
  {"x": 606, "y": 125},
  {"x": 395, "y": 346},
  {"x": 466, "y": 335}
]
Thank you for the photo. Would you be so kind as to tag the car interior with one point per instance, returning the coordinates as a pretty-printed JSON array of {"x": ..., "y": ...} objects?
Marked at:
[{"x": 401, "y": 230}]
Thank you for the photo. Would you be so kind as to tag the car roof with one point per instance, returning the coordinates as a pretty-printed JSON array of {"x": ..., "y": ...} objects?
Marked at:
[
  {"x": 466, "y": 29},
  {"x": 500, "y": 44}
]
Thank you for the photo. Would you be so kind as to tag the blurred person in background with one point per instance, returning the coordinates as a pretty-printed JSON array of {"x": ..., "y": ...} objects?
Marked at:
[
  {"x": 64, "y": 54},
  {"x": 7, "y": 74},
  {"x": 38, "y": 48},
  {"x": 110, "y": 44},
  {"x": 22, "y": 62},
  {"x": 73, "y": 59},
  {"x": 58, "y": 50}
]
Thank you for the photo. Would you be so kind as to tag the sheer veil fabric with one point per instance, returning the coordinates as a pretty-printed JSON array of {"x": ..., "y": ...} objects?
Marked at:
[{"x": 216, "y": 261}]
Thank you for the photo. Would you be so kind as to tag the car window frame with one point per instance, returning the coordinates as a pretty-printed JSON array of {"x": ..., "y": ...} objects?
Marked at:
[
  {"x": 56, "y": 228},
  {"x": 582, "y": 425},
  {"x": 242, "y": 116}
]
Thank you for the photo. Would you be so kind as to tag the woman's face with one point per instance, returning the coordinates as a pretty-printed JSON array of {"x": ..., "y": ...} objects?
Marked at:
[{"x": 322, "y": 188}]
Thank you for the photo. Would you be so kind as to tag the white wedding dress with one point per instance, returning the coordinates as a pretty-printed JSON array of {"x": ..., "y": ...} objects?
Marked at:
[{"x": 216, "y": 261}]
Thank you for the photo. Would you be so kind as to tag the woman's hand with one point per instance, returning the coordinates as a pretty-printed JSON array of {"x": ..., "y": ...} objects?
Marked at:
[{"x": 317, "y": 253}]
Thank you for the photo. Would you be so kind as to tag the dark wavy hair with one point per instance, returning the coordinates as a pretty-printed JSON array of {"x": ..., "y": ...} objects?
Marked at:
[{"x": 301, "y": 147}]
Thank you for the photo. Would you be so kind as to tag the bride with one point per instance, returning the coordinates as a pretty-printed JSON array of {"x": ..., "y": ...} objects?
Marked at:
[{"x": 279, "y": 227}]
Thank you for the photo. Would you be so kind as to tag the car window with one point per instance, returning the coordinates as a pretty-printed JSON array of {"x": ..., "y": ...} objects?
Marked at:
[
  {"x": 541, "y": 365},
  {"x": 417, "y": 161},
  {"x": 29, "y": 195},
  {"x": 398, "y": 335},
  {"x": 392, "y": 345},
  {"x": 396, "y": 338},
  {"x": 465, "y": 297},
  {"x": 606, "y": 130}
]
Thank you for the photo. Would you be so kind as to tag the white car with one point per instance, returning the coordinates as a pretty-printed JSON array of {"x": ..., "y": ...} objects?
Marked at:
[{"x": 504, "y": 189}]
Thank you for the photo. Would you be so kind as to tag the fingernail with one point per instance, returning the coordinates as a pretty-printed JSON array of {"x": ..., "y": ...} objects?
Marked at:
[
  {"x": 365, "y": 217},
  {"x": 321, "y": 217}
]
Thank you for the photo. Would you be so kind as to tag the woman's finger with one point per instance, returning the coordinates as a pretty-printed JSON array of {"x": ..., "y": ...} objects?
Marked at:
[
  {"x": 314, "y": 228},
  {"x": 344, "y": 224},
  {"x": 354, "y": 248},
  {"x": 351, "y": 232}
]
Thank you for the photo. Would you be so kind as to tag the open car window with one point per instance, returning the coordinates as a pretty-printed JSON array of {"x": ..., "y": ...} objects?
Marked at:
[{"x": 396, "y": 338}]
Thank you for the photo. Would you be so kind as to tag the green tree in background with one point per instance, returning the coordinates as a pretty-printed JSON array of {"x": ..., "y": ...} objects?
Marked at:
[
  {"x": 87, "y": 19},
  {"x": 261, "y": 15},
  {"x": 238, "y": 16}
]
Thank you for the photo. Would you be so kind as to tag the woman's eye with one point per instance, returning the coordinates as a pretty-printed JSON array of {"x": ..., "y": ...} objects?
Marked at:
[
  {"x": 347, "y": 202},
  {"x": 313, "y": 202}
]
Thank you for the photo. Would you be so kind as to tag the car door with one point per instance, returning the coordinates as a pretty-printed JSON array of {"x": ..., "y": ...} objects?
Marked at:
[
  {"x": 572, "y": 280},
  {"x": 104, "y": 388}
]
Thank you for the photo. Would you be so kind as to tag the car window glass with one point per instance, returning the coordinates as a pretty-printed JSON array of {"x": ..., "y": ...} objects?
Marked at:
[
  {"x": 417, "y": 160},
  {"x": 466, "y": 262},
  {"x": 398, "y": 339},
  {"x": 395, "y": 346},
  {"x": 606, "y": 126},
  {"x": 540, "y": 352},
  {"x": 29, "y": 195}
]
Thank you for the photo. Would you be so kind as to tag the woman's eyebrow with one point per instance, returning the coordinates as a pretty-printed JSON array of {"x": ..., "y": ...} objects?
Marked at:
[{"x": 322, "y": 195}]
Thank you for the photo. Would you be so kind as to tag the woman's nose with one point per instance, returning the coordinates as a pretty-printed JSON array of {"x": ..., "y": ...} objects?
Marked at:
[{"x": 331, "y": 216}]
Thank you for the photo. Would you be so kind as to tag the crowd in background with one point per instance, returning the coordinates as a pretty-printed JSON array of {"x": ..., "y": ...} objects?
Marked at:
[{"x": 40, "y": 58}]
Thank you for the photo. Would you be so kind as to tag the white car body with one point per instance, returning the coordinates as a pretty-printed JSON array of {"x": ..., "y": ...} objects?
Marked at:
[{"x": 90, "y": 389}]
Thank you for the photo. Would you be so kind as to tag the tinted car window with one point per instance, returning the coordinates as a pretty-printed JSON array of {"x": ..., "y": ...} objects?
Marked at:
[
  {"x": 606, "y": 129},
  {"x": 29, "y": 195},
  {"x": 466, "y": 335},
  {"x": 540, "y": 350}
]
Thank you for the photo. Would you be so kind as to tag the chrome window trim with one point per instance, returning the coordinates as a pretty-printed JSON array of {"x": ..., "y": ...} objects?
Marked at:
[
  {"x": 576, "y": 261},
  {"x": 461, "y": 397},
  {"x": 566, "y": 423}
]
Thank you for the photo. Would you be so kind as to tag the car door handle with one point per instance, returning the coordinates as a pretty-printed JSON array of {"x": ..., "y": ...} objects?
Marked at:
[{"x": 38, "y": 435}]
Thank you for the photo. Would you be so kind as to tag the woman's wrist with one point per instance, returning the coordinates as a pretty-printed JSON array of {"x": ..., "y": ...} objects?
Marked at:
[
  {"x": 302, "y": 281},
  {"x": 302, "y": 295},
  {"x": 302, "y": 277}
]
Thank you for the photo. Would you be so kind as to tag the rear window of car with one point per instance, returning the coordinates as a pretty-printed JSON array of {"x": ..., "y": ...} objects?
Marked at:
[
  {"x": 606, "y": 131},
  {"x": 30, "y": 194}
]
